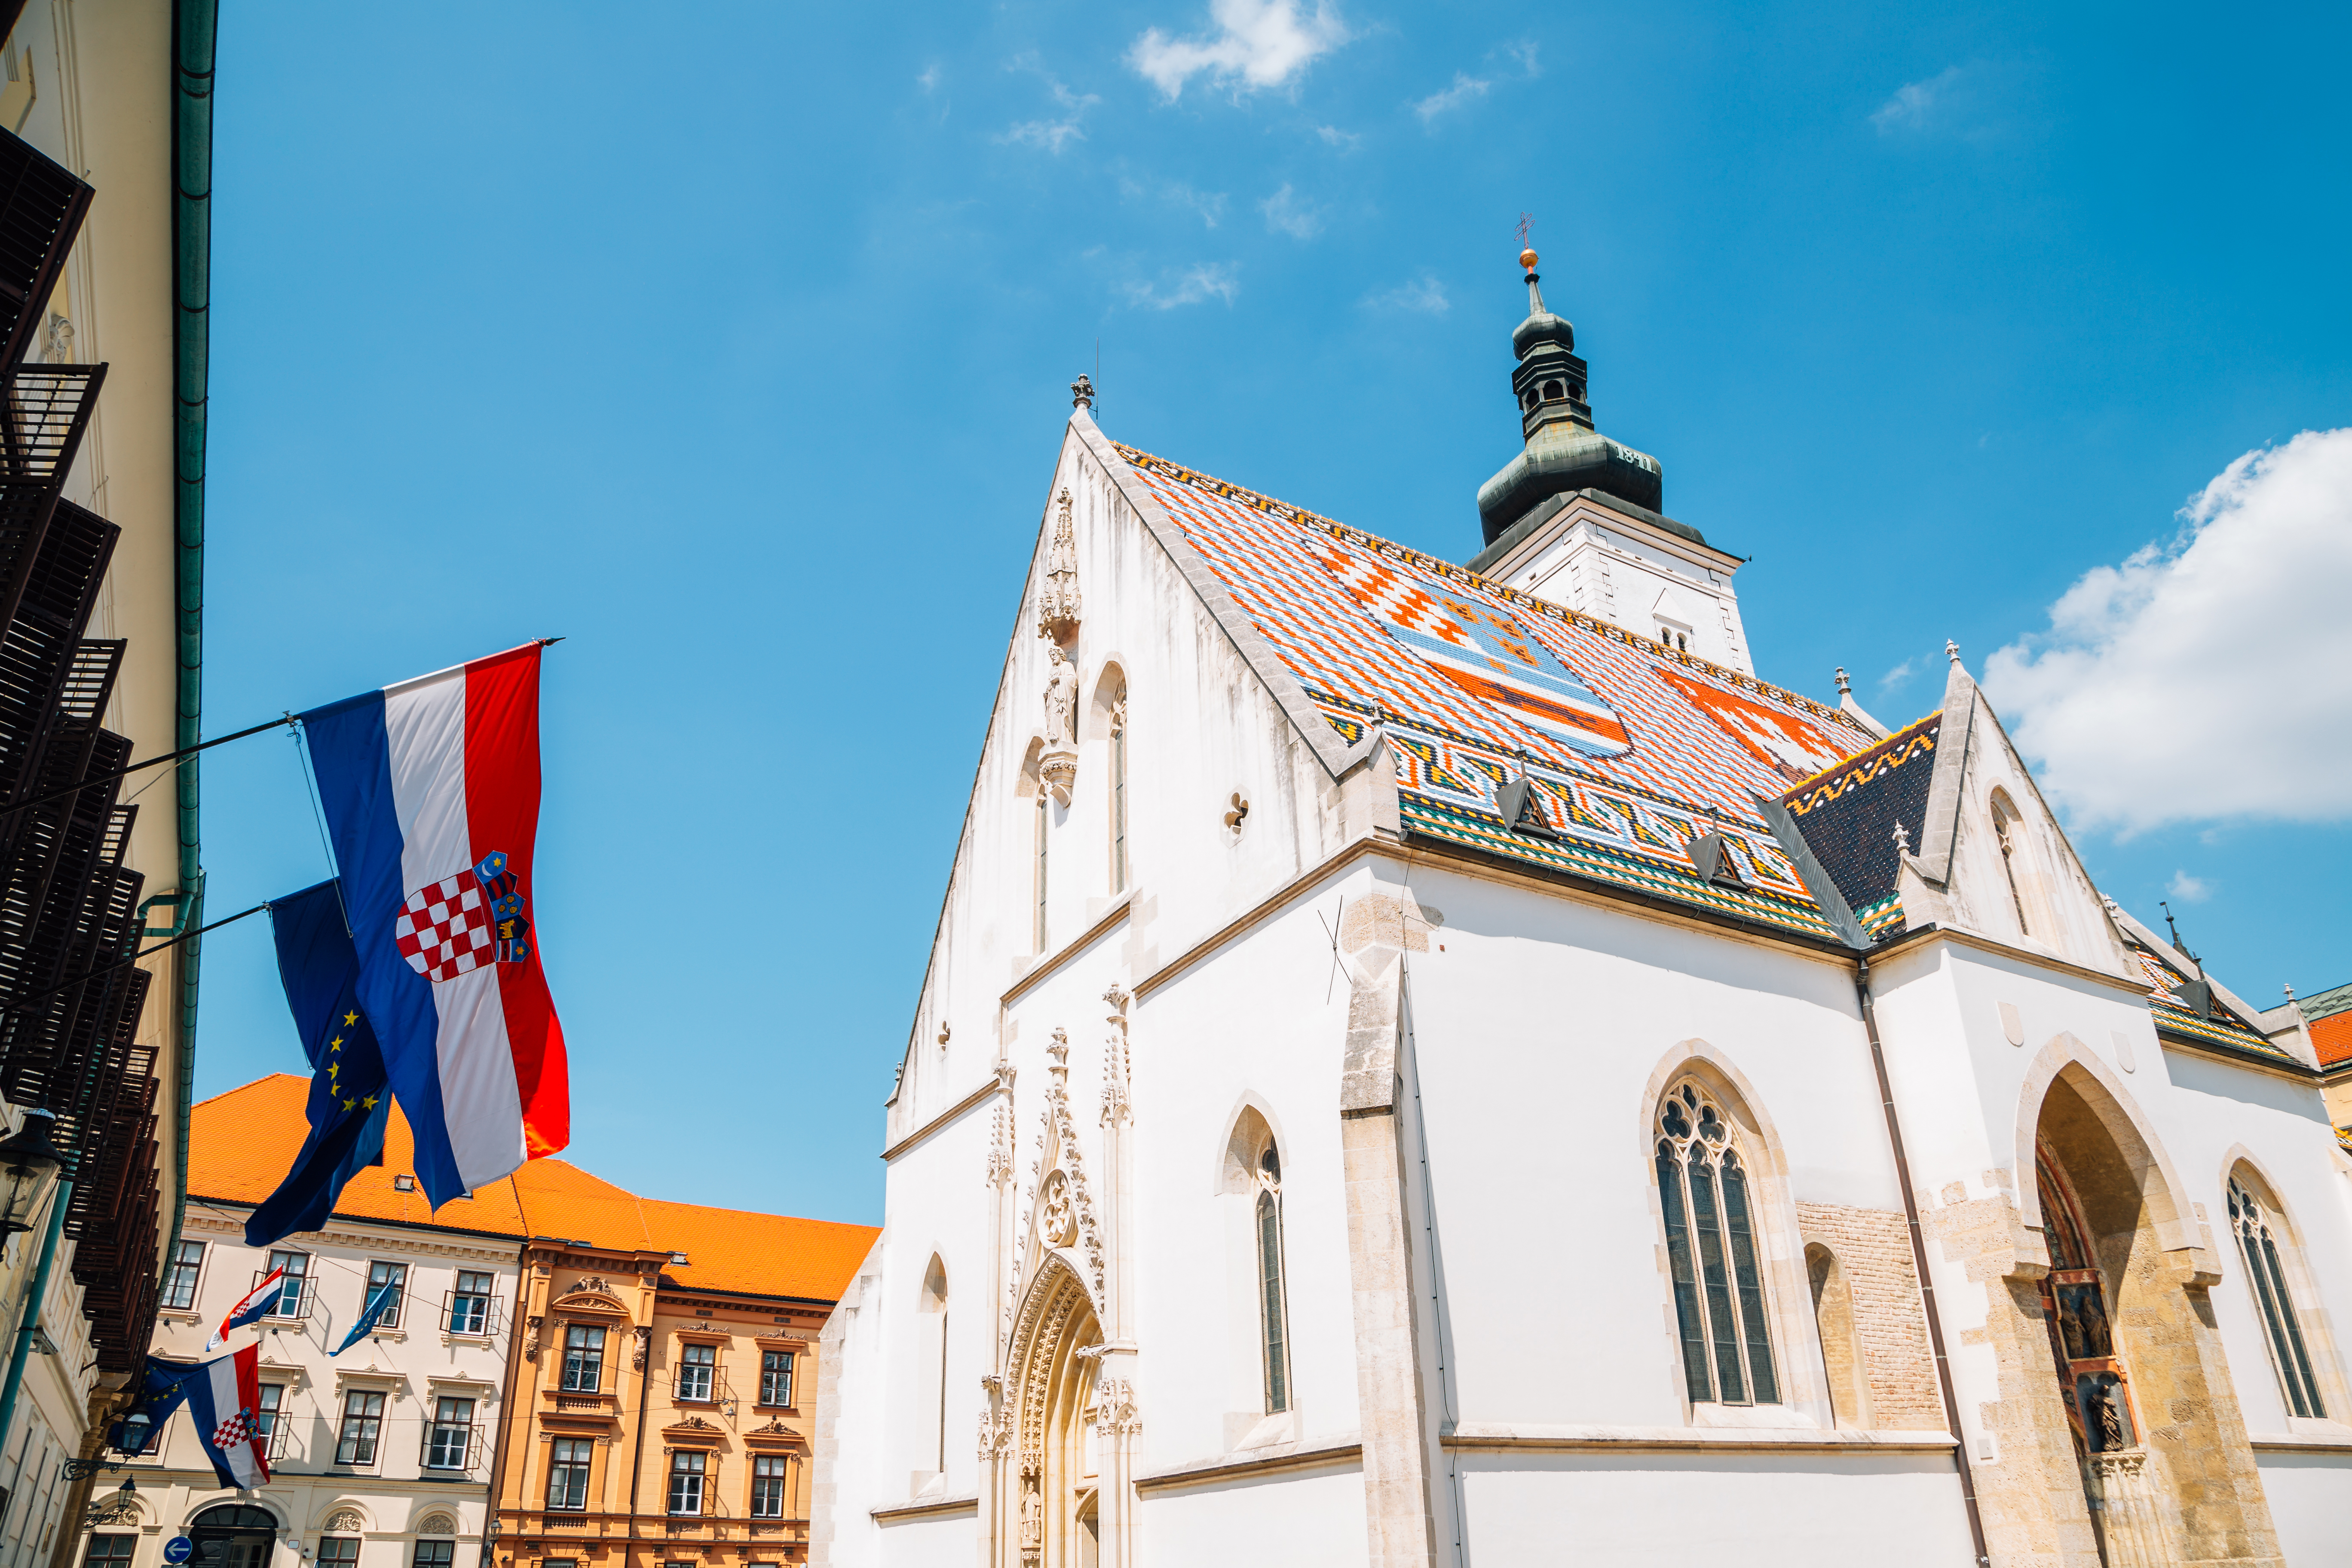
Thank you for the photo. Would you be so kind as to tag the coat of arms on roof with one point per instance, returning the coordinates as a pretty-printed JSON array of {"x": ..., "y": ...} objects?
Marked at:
[
  {"x": 1781, "y": 739},
  {"x": 1482, "y": 647}
]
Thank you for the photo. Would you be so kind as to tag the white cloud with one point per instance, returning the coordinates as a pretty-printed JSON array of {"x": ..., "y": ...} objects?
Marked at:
[
  {"x": 1286, "y": 214},
  {"x": 1897, "y": 676},
  {"x": 1424, "y": 294},
  {"x": 2188, "y": 890},
  {"x": 1465, "y": 88},
  {"x": 1208, "y": 206},
  {"x": 1524, "y": 53},
  {"x": 1333, "y": 136},
  {"x": 2205, "y": 679},
  {"x": 930, "y": 78},
  {"x": 1258, "y": 44},
  {"x": 1051, "y": 134},
  {"x": 1915, "y": 102},
  {"x": 1202, "y": 280}
]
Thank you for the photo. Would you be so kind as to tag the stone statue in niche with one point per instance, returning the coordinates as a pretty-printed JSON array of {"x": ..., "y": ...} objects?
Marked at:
[
  {"x": 1057, "y": 767},
  {"x": 1057, "y": 601},
  {"x": 530, "y": 1338},
  {"x": 639, "y": 1338}
]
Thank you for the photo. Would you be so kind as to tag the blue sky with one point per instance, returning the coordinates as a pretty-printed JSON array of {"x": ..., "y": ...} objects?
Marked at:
[{"x": 731, "y": 343}]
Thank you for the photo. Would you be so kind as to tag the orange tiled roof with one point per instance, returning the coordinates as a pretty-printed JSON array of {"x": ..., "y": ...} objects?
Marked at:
[
  {"x": 2332, "y": 1037},
  {"x": 241, "y": 1143}
]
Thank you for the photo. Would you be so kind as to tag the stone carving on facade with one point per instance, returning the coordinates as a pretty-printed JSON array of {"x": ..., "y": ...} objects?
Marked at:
[
  {"x": 532, "y": 1327},
  {"x": 1115, "y": 1411},
  {"x": 1115, "y": 1106},
  {"x": 640, "y": 1338},
  {"x": 436, "y": 1524},
  {"x": 1057, "y": 602},
  {"x": 1056, "y": 1224},
  {"x": 1057, "y": 766},
  {"x": 60, "y": 335},
  {"x": 1000, "y": 1148},
  {"x": 345, "y": 1520}
]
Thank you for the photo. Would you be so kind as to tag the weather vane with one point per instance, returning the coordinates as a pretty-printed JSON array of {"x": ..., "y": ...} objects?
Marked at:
[{"x": 1527, "y": 221}]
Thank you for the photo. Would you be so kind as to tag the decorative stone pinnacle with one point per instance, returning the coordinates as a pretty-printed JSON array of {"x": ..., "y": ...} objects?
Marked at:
[
  {"x": 1082, "y": 392},
  {"x": 1951, "y": 650},
  {"x": 1902, "y": 840},
  {"x": 1845, "y": 687}
]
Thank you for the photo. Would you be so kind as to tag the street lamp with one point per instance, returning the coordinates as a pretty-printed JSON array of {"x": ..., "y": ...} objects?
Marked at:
[{"x": 28, "y": 1163}]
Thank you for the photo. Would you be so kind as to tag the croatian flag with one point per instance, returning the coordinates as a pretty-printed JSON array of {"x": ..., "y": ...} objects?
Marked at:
[
  {"x": 224, "y": 1403},
  {"x": 258, "y": 1303},
  {"x": 431, "y": 790}
]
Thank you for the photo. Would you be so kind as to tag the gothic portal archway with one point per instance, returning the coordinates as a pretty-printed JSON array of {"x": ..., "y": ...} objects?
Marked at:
[
  {"x": 2135, "y": 1363},
  {"x": 1054, "y": 1507}
]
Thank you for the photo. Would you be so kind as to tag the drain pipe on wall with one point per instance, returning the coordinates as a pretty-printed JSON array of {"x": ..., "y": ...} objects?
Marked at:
[{"x": 1919, "y": 1262}]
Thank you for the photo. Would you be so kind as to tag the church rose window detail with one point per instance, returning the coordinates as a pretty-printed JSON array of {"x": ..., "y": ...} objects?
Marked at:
[
  {"x": 1711, "y": 1251},
  {"x": 2256, "y": 1231}
]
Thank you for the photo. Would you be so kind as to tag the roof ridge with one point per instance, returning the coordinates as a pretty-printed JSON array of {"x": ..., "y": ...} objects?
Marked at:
[{"x": 1259, "y": 500}]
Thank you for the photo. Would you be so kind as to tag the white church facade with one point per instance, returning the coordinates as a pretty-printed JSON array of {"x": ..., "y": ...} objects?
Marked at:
[{"x": 1428, "y": 1065}]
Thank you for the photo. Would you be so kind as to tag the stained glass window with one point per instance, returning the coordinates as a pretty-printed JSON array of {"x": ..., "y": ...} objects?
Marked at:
[
  {"x": 2257, "y": 1235},
  {"x": 1712, "y": 1255}
]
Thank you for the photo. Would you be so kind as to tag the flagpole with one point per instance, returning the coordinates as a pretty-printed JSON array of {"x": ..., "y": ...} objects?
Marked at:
[
  {"x": 19, "y": 1005},
  {"x": 59, "y": 1202}
]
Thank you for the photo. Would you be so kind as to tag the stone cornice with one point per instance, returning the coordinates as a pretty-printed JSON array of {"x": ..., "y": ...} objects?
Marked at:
[{"x": 396, "y": 1237}]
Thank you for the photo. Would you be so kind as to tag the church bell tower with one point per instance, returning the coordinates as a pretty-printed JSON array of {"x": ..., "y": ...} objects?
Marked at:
[{"x": 1574, "y": 518}]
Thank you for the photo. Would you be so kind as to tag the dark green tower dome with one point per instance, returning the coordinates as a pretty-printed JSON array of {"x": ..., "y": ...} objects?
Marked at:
[{"x": 1564, "y": 453}]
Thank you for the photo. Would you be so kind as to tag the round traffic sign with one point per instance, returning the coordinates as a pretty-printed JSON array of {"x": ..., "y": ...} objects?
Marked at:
[{"x": 178, "y": 1550}]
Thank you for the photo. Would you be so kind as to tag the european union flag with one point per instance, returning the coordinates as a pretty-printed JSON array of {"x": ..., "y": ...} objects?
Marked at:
[
  {"x": 349, "y": 1103},
  {"x": 377, "y": 1306},
  {"x": 163, "y": 1389}
]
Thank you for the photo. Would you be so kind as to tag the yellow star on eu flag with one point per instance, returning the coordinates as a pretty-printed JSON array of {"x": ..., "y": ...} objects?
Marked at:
[
  {"x": 350, "y": 1019},
  {"x": 369, "y": 1102},
  {"x": 336, "y": 1044},
  {"x": 351, "y": 1105}
]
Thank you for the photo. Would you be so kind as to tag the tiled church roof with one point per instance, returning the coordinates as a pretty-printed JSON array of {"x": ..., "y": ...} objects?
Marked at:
[
  {"x": 1705, "y": 740},
  {"x": 1634, "y": 750},
  {"x": 1848, "y": 813},
  {"x": 2329, "y": 1014}
]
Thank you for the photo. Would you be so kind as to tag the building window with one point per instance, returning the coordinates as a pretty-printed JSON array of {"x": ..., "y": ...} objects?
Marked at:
[
  {"x": 1711, "y": 1252},
  {"x": 294, "y": 1295},
  {"x": 768, "y": 1486},
  {"x": 1118, "y": 792},
  {"x": 179, "y": 1291},
  {"x": 363, "y": 1425},
  {"x": 567, "y": 1473},
  {"x": 265, "y": 1420},
  {"x": 686, "y": 1482},
  {"x": 111, "y": 1551},
  {"x": 393, "y": 1277},
  {"x": 449, "y": 1440},
  {"x": 342, "y": 1551},
  {"x": 2258, "y": 1228},
  {"x": 1039, "y": 933},
  {"x": 469, "y": 1304},
  {"x": 2008, "y": 832},
  {"x": 433, "y": 1554},
  {"x": 775, "y": 1377},
  {"x": 696, "y": 1366},
  {"x": 1272, "y": 1315},
  {"x": 583, "y": 1359}
]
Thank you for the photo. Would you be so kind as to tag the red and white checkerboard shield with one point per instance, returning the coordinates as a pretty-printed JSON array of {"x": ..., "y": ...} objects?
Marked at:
[
  {"x": 237, "y": 1428},
  {"x": 445, "y": 930}
]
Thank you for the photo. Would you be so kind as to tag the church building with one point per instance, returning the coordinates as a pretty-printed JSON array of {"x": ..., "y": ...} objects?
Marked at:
[{"x": 1443, "y": 1064}]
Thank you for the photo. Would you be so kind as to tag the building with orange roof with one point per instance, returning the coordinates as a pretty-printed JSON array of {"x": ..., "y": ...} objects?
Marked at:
[
  {"x": 2327, "y": 1016},
  {"x": 687, "y": 1328}
]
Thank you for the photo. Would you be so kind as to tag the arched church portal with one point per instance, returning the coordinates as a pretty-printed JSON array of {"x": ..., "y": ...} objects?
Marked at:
[
  {"x": 2167, "y": 1470},
  {"x": 1054, "y": 1509},
  {"x": 233, "y": 1535}
]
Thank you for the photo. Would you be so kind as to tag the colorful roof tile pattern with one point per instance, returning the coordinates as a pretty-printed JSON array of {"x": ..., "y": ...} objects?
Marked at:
[
  {"x": 1475, "y": 683},
  {"x": 2332, "y": 1037},
  {"x": 241, "y": 1143},
  {"x": 2223, "y": 1028},
  {"x": 1633, "y": 750},
  {"x": 1848, "y": 813}
]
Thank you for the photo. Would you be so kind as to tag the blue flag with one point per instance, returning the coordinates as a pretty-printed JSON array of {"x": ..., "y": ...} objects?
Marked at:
[
  {"x": 349, "y": 1103},
  {"x": 377, "y": 1306},
  {"x": 164, "y": 1391}
]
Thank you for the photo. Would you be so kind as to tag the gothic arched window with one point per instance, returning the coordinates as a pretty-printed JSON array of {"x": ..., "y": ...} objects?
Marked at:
[
  {"x": 2009, "y": 830},
  {"x": 1277, "y": 1335},
  {"x": 1711, "y": 1248},
  {"x": 1119, "y": 789},
  {"x": 2258, "y": 1227}
]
